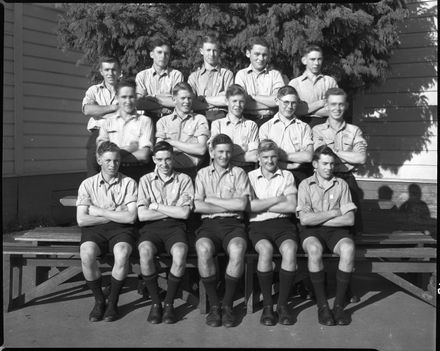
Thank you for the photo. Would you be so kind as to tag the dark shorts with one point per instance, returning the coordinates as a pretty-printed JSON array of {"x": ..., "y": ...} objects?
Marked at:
[
  {"x": 108, "y": 235},
  {"x": 274, "y": 230},
  {"x": 328, "y": 236},
  {"x": 163, "y": 233},
  {"x": 221, "y": 231}
]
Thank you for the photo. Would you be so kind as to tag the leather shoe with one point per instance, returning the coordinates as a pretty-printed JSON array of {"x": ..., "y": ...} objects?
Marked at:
[
  {"x": 325, "y": 316},
  {"x": 155, "y": 315},
  {"x": 214, "y": 317},
  {"x": 169, "y": 314},
  {"x": 284, "y": 315},
  {"x": 97, "y": 312},
  {"x": 228, "y": 317},
  {"x": 341, "y": 317},
  {"x": 268, "y": 316},
  {"x": 111, "y": 313}
]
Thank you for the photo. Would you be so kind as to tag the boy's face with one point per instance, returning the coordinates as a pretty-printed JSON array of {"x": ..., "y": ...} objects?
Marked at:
[
  {"x": 161, "y": 56},
  {"x": 287, "y": 105},
  {"x": 110, "y": 71},
  {"x": 324, "y": 166},
  {"x": 109, "y": 162},
  {"x": 336, "y": 106},
  {"x": 127, "y": 99},
  {"x": 164, "y": 161},
  {"x": 259, "y": 56},
  {"x": 236, "y": 105},
  {"x": 183, "y": 101},
  {"x": 268, "y": 160},
  {"x": 210, "y": 53},
  {"x": 221, "y": 154},
  {"x": 313, "y": 62}
]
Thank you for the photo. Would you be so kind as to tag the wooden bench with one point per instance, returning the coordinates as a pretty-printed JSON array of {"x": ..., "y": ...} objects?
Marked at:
[{"x": 386, "y": 254}]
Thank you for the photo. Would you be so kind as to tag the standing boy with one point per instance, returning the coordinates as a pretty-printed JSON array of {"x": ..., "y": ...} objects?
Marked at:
[
  {"x": 311, "y": 87},
  {"x": 260, "y": 82},
  {"x": 221, "y": 196},
  {"x": 243, "y": 132},
  {"x": 106, "y": 211},
  {"x": 99, "y": 101},
  {"x": 165, "y": 198},
  {"x": 326, "y": 213},
  {"x": 211, "y": 81},
  {"x": 273, "y": 202}
]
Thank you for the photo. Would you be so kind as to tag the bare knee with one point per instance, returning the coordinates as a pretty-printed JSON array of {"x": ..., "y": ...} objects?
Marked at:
[
  {"x": 205, "y": 250},
  {"x": 347, "y": 251},
  {"x": 288, "y": 253},
  {"x": 146, "y": 250},
  {"x": 179, "y": 252},
  {"x": 236, "y": 249},
  {"x": 314, "y": 251},
  {"x": 122, "y": 252},
  {"x": 88, "y": 253}
]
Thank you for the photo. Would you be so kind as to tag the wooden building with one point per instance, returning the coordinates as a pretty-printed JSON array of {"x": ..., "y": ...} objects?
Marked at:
[{"x": 44, "y": 131}]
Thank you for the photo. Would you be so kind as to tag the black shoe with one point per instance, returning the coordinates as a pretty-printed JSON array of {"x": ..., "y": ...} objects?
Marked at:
[
  {"x": 214, "y": 317},
  {"x": 268, "y": 316},
  {"x": 341, "y": 317},
  {"x": 169, "y": 315},
  {"x": 284, "y": 315},
  {"x": 228, "y": 317},
  {"x": 325, "y": 316},
  {"x": 97, "y": 312},
  {"x": 155, "y": 315},
  {"x": 111, "y": 313}
]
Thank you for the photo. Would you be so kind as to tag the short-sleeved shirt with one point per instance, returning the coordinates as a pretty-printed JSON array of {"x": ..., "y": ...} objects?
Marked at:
[
  {"x": 244, "y": 135},
  {"x": 149, "y": 82},
  {"x": 112, "y": 196},
  {"x": 152, "y": 189},
  {"x": 186, "y": 130},
  {"x": 312, "y": 197},
  {"x": 232, "y": 183},
  {"x": 347, "y": 138},
  {"x": 267, "y": 82},
  {"x": 290, "y": 135},
  {"x": 98, "y": 94},
  {"x": 281, "y": 183},
  {"x": 210, "y": 82},
  {"x": 138, "y": 128},
  {"x": 312, "y": 87}
]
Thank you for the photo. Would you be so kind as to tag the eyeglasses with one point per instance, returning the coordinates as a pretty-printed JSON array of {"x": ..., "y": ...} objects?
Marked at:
[{"x": 287, "y": 103}]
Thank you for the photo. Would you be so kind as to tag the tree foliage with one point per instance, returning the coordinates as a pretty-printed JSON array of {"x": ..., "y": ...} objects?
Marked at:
[{"x": 357, "y": 38}]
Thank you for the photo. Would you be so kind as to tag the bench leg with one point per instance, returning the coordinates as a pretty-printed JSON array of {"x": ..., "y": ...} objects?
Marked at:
[
  {"x": 249, "y": 289},
  {"x": 15, "y": 282},
  {"x": 203, "y": 299}
]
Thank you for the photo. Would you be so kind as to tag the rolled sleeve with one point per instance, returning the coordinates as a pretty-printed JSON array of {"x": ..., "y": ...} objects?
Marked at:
[
  {"x": 103, "y": 133},
  {"x": 83, "y": 198},
  {"x": 199, "y": 188},
  {"x": 239, "y": 79},
  {"x": 263, "y": 131},
  {"x": 144, "y": 197},
  {"x": 253, "y": 138},
  {"x": 192, "y": 82},
  {"x": 346, "y": 204},
  {"x": 304, "y": 203},
  {"x": 202, "y": 127},
  {"x": 229, "y": 79},
  {"x": 89, "y": 98},
  {"x": 146, "y": 138},
  {"x": 318, "y": 138},
  {"x": 160, "y": 129},
  {"x": 131, "y": 192},
  {"x": 243, "y": 185},
  {"x": 141, "y": 89},
  {"x": 187, "y": 189},
  {"x": 307, "y": 139},
  {"x": 290, "y": 185},
  {"x": 360, "y": 144},
  {"x": 278, "y": 82}
]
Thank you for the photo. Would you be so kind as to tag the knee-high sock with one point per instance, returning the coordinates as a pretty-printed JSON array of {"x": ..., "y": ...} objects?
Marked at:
[
  {"x": 230, "y": 287},
  {"x": 286, "y": 280},
  {"x": 342, "y": 282},
  {"x": 115, "y": 289},
  {"x": 318, "y": 279},
  {"x": 95, "y": 286},
  {"x": 210, "y": 284},
  {"x": 173, "y": 286},
  {"x": 266, "y": 279},
  {"x": 152, "y": 287}
]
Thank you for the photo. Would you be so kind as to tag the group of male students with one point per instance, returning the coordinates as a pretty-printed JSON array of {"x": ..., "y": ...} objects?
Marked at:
[{"x": 140, "y": 190}]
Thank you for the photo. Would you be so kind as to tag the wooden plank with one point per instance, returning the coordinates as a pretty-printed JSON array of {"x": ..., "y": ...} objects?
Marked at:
[
  {"x": 38, "y": 50},
  {"x": 46, "y": 103},
  {"x": 397, "y": 142},
  {"x": 419, "y": 7},
  {"x": 68, "y": 80},
  {"x": 41, "y": 250},
  {"x": 428, "y": 158},
  {"x": 384, "y": 128},
  {"x": 38, "y": 24},
  {"x": 45, "y": 141},
  {"x": 410, "y": 252},
  {"x": 425, "y": 23},
  {"x": 53, "y": 153},
  {"x": 402, "y": 85},
  {"x": 369, "y": 266},
  {"x": 54, "y": 167},
  {"x": 8, "y": 80},
  {"x": 8, "y": 27},
  {"x": 69, "y": 200},
  {"x": 18, "y": 89},
  {"x": 8, "y": 92},
  {"x": 412, "y": 40},
  {"x": 53, "y": 91},
  {"x": 48, "y": 14},
  {"x": 37, "y": 37},
  {"x": 406, "y": 70},
  {"x": 8, "y": 41},
  {"x": 7, "y": 168},
  {"x": 55, "y": 129},
  {"x": 8, "y": 104},
  {"x": 8, "y": 154},
  {"x": 8, "y": 129},
  {"x": 51, "y": 116},
  {"x": 49, "y": 64}
]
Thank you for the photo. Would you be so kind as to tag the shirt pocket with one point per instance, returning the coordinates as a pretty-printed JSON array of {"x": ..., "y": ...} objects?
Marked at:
[
  {"x": 347, "y": 142},
  {"x": 227, "y": 190},
  {"x": 188, "y": 132}
]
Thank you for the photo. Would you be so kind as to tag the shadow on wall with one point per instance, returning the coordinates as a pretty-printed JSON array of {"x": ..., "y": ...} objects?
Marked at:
[
  {"x": 383, "y": 215},
  {"x": 396, "y": 116}
]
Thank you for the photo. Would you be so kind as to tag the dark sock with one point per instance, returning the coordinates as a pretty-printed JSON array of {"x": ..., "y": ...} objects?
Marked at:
[
  {"x": 342, "y": 281},
  {"x": 95, "y": 286},
  {"x": 318, "y": 279},
  {"x": 173, "y": 285},
  {"x": 115, "y": 289},
  {"x": 210, "y": 284},
  {"x": 230, "y": 287},
  {"x": 266, "y": 279},
  {"x": 286, "y": 280},
  {"x": 152, "y": 287}
]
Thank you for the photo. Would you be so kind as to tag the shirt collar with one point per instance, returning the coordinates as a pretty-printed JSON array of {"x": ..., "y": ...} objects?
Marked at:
[
  {"x": 311, "y": 76},
  {"x": 279, "y": 118},
  {"x": 212, "y": 169},
  {"x": 251, "y": 69},
  {"x": 314, "y": 179},
  {"x": 166, "y": 72},
  {"x": 203, "y": 69},
  {"x": 132, "y": 116},
  {"x": 176, "y": 115},
  {"x": 171, "y": 178},
  {"x": 114, "y": 180},
  {"x": 327, "y": 125},
  {"x": 228, "y": 120},
  {"x": 103, "y": 86},
  {"x": 278, "y": 172}
]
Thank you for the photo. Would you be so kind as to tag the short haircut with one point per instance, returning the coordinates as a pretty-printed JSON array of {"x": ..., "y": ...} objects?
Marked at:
[
  {"x": 158, "y": 42},
  {"x": 182, "y": 86},
  {"x": 256, "y": 41},
  {"x": 108, "y": 59},
  {"x": 267, "y": 145},
  {"x": 162, "y": 146},
  {"x": 235, "y": 89},
  {"x": 107, "y": 146},
  {"x": 125, "y": 83},
  {"x": 335, "y": 91},
  {"x": 287, "y": 90},
  {"x": 221, "y": 139},
  {"x": 323, "y": 150},
  {"x": 309, "y": 48},
  {"x": 209, "y": 38}
]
